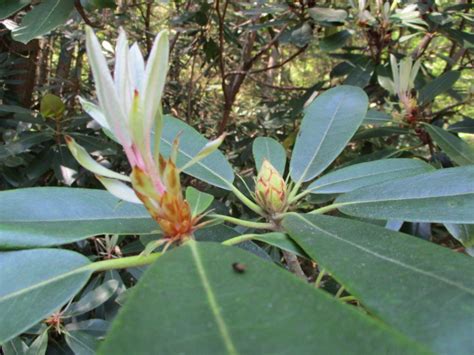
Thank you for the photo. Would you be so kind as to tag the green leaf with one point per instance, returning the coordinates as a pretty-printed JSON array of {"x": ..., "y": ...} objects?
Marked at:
[
  {"x": 444, "y": 196},
  {"x": 199, "y": 201},
  {"x": 219, "y": 310},
  {"x": 9, "y": 7},
  {"x": 271, "y": 150},
  {"x": 361, "y": 74},
  {"x": 23, "y": 144},
  {"x": 35, "y": 283},
  {"x": 82, "y": 343},
  {"x": 281, "y": 241},
  {"x": 375, "y": 117},
  {"x": 464, "y": 233},
  {"x": 46, "y": 216},
  {"x": 42, "y": 19},
  {"x": 328, "y": 125},
  {"x": 422, "y": 289},
  {"x": 359, "y": 175},
  {"x": 379, "y": 132},
  {"x": 92, "y": 5},
  {"x": 214, "y": 169},
  {"x": 16, "y": 346},
  {"x": 464, "y": 126},
  {"x": 92, "y": 299},
  {"x": 51, "y": 106},
  {"x": 458, "y": 150},
  {"x": 335, "y": 41},
  {"x": 438, "y": 86},
  {"x": 39, "y": 345},
  {"x": 323, "y": 14},
  {"x": 96, "y": 327}
]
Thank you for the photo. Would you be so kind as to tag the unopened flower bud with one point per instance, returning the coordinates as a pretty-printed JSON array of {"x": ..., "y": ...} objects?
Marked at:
[{"x": 270, "y": 190}]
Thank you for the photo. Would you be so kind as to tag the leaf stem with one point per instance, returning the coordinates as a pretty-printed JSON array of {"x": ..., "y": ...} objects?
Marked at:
[
  {"x": 242, "y": 222},
  {"x": 294, "y": 191},
  {"x": 122, "y": 263},
  {"x": 240, "y": 239},
  {"x": 247, "y": 202},
  {"x": 293, "y": 199},
  {"x": 347, "y": 298},
  {"x": 340, "y": 291},
  {"x": 321, "y": 274},
  {"x": 327, "y": 208}
]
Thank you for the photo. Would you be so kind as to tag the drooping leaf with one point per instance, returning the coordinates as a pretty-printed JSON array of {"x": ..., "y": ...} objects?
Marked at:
[
  {"x": 94, "y": 326},
  {"x": 46, "y": 216},
  {"x": 214, "y": 169},
  {"x": 92, "y": 299},
  {"x": 35, "y": 283},
  {"x": 422, "y": 289},
  {"x": 39, "y": 345},
  {"x": 271, "y": 150},
  {"x": 42, "y": 19},
  {"x": 438, "y": 86},
  {"x": 458, "y": 150},
  {"x": 329, "y": 123},
  {"x": 220, "y": 309},
  {"x": 82, "y": 343},
  {"x": 365, "y": 174},
  {"x": 444, "y": 196}
]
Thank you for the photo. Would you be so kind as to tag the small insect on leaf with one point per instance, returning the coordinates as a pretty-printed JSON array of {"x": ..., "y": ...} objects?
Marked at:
[{"x": 239, "y": 268}]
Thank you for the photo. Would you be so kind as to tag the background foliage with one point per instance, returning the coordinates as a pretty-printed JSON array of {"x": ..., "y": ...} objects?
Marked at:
[{"x": 251, "y": 69}]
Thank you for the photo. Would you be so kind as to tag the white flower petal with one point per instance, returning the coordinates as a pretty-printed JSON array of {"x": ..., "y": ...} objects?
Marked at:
[
  {"x": 405, "y": 70},
  {"x": 94, "y": 111},
  {"x": 154, "y": 81},
  {"x": 136, "y": 66},
  {"x": 108, "y": 100},
  {"x": 396, "y": 76},
  {"x": 81, "y": 155},
  {"x": 119, "y": 190},
  {"x": 121, "y": 77}
]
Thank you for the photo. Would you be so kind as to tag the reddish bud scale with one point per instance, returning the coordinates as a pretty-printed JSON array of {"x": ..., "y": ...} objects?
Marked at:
[
  {"x": 169, "y": 209},
  {"x": 270, "y": 190}
]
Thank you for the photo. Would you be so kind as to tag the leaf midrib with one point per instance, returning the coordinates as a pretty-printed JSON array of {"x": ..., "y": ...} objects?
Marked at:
[
  {"x": 331, "y": 121},
  {"x": 91, "y": 219},
  {"x": 391, "y": 260},
  {"x": 360, "y": 177},
  {"x": 39, "y": 28},
  {"x": 463, "y": 144},
  {"x": 211, "y": 298},
  {"x": 77, "y": 270},
  {"x": 349, "y": 203}
]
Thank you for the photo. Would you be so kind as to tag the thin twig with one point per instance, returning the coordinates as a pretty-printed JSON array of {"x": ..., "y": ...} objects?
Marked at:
[
  {"x": 82, "y": 13},
  {"x": 294, "y": 265}
]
